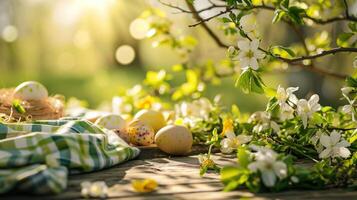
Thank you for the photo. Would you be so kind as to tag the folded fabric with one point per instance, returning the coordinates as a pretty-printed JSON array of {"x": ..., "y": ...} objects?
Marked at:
[{"x": 39, "y": 162}]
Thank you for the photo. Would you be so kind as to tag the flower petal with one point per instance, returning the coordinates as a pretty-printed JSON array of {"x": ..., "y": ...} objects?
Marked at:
[
  {"x": 325, "y": 140},
  {"x": 244, "y": 45},
  {"x": 343, "y": 143},
  {"x": 254, "y": 44},
  {"x": 325, "y": 153},
  {"x": 280, "y": 169},
  {"x": 343, "y": 152},
  {"x": 259, "y": 54},
  {"x": 230, "y": 134},
  {"x": 226, "y": 146},
  {"x": 269, "y": 178},
  {"x": 253, "y": 63},
  {"x": 335, "y": 137},
  {"x": 314, "y": 99},
  {"x": 244, "y": 138},
  {"x": 244, "y": 62}
]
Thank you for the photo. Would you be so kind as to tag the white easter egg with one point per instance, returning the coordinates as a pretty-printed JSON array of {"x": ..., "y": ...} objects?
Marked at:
[
  {"x": 174, "y": 139},
  {"x": 111, "y": 121},
  {"x": 30, "y": 90}
]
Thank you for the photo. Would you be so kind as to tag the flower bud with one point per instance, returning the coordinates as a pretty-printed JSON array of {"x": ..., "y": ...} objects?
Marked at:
[
  {"x": 231, "y": 52},
  {"x": 346, "y": 90}
]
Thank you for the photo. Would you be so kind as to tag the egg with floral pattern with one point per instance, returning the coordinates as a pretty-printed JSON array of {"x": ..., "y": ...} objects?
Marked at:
[
  {"x": 30, "y": 90},
  {"x": 111, "y": 121},
  {"x": 140, "y": 133}
]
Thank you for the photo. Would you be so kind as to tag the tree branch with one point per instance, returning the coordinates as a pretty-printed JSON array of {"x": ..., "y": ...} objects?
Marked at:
[
  {"x": 205, "y": 26},
  {"x": 347, "y": 16},
  {"x": 293, "y": 61}
]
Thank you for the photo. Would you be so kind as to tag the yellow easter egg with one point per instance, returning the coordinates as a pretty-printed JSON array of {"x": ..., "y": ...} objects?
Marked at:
[
  {"x": 152, "y": 118},
  {"x": 174, "y": 139}
]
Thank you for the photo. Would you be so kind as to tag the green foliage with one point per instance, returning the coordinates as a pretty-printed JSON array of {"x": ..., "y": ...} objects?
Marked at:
[
  {"x": 16, "y": 104},
  {"x": 250, "y": 81}
]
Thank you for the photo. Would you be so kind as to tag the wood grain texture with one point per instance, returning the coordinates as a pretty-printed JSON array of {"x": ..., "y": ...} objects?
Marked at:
[{"x": 178, "y": 178}]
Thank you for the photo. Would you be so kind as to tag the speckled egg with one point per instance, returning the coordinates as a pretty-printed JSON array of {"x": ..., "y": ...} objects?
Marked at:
[
  {"x": 152, "y": 118},
  {"x": 174, "y": 139},
  {"x": 140, "y": 133},
  {"x": 111, "y": 121},
  {"x": 30, "y": 90}
]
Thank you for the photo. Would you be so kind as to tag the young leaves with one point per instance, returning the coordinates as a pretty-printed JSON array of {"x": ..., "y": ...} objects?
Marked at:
[{"x": 250, "y": 81}]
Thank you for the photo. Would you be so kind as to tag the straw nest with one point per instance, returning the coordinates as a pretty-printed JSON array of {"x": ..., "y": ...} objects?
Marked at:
[{"x": 49, "y": 108}]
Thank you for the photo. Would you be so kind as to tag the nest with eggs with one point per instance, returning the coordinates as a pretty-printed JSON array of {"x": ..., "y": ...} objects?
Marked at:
[{"x": 23, "y": 110}]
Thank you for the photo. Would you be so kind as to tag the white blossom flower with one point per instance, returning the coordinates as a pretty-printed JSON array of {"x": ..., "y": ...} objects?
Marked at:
[
  {"x": 232, "y": 142},
  {"x": 94, "y": 189},
  {"x": 346, "y": 90},
  {"x": 249, "y": 53},
  {"x": 286, "y": 112},
  {"x": 355, "y": 63},
  {"x": 264, "y": 122},
  {"x": 199, "y": 108},
  {"x": 348, "y": 109},
  {"x": 335, "y": 146},
  {"x": 268, "y": 165},
  {"x": 315, "y": 141},
  {"x": 248, "y": 23},
  {"x": 306, "y": 108},
  {"x": 282, "y": 95}
]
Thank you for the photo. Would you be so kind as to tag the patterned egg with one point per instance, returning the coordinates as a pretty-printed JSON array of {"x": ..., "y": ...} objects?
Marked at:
[
  {"x": 30, "y": 90},
  {"x": 152, "y": 118},
  {"x": 111, "y": 121},
  {"x": 140, "y": 133}
]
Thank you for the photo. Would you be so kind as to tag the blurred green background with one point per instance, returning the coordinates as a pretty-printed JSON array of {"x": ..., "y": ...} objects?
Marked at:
[{"x": 71, "y": 47}]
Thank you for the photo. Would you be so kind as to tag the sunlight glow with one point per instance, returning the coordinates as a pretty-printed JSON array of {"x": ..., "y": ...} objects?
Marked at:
[
  {"x": 139, "y": 28},
  {"x": 10, "y": 33},
  {"x": 125, "y": 54}
]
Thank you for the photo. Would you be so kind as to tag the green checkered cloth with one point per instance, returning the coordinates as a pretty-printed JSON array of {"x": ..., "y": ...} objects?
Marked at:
[{"x": 38, "y": 157}]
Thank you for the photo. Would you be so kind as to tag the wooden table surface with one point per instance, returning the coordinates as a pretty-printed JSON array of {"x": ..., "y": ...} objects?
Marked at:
[{"x": 178, "y": 178}]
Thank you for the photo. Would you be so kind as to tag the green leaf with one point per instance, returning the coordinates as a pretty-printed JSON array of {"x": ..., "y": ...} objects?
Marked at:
[
  {"x": 248, "y": 2},
  {"x": 352, "y": 26},
  {"x": 243, "y": 157},
  {"x": 351, "y": 82},
  {"x": 343, "y": 38},
  {"x": 229, "y": 172},
  {"x": 226, "y": 20},
  {"x": 284, "y": 49},
  {"x": 285, "y": 4},
  {"x": 249, "y": 81},
  {"x": 278, "y": 15},
  {"x": 18, "y": 107},
  {"x": 295, "y": 14}
]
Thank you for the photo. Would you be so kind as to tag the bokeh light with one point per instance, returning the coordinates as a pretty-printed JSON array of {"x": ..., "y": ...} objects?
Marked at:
[
  {"x": 125, "y": 54},
  {"x": 10, "y": 33},
  {"x": 139, "y": 28}
]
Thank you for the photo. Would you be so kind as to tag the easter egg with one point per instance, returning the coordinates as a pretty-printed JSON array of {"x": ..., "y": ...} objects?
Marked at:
[
  {"x": 111, "y": 121},
  {"x": 152, "y": 118},
  {"x": 30, "y": 90},
  {"x": 140, "y": 133},
  {"x": 174, "y": 139}
]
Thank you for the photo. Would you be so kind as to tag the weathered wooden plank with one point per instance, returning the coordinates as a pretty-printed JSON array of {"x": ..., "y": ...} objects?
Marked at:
[{"x": 178, "y": 178}]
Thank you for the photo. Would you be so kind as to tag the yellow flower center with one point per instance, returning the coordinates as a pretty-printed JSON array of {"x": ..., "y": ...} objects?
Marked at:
[{"x": 250, "y": 54}]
